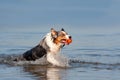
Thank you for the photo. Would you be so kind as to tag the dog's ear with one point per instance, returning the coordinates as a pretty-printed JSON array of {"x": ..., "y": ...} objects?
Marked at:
[
  {"x": 62, "y": 29},
  {"x": 54, "y": 33}
]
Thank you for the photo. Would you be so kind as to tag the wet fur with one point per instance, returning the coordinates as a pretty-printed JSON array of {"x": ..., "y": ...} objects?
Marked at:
[{"x": 35, "y": 53}]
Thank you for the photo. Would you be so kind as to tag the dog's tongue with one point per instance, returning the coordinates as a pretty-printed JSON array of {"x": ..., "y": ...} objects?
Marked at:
[{"x": 68, "y": 41}]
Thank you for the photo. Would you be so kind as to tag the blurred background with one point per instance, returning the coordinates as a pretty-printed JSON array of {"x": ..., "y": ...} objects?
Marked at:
[{"x": 60, "y": 13}]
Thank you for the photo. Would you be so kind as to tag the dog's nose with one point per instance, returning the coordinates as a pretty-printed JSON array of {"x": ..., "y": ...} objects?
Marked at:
[{"x": 70, "y": 37}]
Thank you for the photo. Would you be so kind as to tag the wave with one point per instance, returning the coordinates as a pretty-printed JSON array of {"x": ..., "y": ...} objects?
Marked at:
[{"x": 73, "y": 62}]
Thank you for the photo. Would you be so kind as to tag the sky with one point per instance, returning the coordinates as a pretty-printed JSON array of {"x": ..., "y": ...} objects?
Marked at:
[{"x": 80, "y": 13}]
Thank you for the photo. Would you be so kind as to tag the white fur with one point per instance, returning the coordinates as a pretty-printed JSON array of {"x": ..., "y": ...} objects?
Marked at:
[
  {"x": 53, "y": 55},
  {"x": 53, "y": 47},
  {"x": 51, "y": 58},
  {"x": 53, "y": 50}
]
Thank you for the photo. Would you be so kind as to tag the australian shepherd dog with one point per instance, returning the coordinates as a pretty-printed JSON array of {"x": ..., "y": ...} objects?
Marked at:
[{"x": 49, "y": 46}]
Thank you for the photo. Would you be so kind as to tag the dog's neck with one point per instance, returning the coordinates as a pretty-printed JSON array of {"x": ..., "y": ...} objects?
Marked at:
[{"x": 49, "y": 44}]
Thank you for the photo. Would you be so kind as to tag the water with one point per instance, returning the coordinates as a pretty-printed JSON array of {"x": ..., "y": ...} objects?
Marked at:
[{"x": 94, "y": 54}]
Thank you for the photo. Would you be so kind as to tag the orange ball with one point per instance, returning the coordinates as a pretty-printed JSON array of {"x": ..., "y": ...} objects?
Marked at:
[{"x": 69, "y": 41}]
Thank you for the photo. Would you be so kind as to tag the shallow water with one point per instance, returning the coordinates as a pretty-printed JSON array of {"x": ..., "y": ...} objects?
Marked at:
[{"x": 94, "y": 54}]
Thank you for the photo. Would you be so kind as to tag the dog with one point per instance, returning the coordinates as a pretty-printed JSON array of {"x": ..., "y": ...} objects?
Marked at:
[{"x": 49, "y": 46}]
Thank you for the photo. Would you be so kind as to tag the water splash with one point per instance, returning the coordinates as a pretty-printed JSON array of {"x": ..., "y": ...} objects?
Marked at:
[
  {"x": 58, "y": 60},
  {"x": 9, "y": 59},
  {"x": 63, "y": 62}
]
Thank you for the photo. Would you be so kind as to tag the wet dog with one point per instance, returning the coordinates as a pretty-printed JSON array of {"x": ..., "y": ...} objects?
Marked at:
[{"x": 49, "y": 46}]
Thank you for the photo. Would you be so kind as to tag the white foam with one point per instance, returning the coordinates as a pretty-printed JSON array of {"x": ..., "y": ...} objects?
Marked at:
[
  {"x": 58, "y": 60},
  {"x": 55, "y": 59},
  {"x": 41, "y": 61}
]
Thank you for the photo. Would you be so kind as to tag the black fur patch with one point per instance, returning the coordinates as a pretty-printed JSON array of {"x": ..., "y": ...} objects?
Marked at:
[{"x": 35, "y": 53}]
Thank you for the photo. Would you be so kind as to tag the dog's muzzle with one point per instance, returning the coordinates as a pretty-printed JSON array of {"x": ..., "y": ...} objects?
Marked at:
[{"x": 67, "y": 41}]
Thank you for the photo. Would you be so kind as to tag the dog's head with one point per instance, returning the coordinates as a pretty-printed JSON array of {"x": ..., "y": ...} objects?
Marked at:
[{"x": 61, "y": 37}]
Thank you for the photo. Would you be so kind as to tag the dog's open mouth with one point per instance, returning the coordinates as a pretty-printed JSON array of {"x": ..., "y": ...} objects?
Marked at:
[
  {"x": 63, "y": 41},
  {"x": 66, "y": 41}
]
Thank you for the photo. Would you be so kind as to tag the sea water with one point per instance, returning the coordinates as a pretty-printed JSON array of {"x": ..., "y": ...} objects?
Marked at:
[{"x": 94, "y": 54}]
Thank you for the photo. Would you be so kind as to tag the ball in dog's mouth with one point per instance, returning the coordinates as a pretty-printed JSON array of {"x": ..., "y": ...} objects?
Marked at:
[{"x": 66, "y": 41}]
